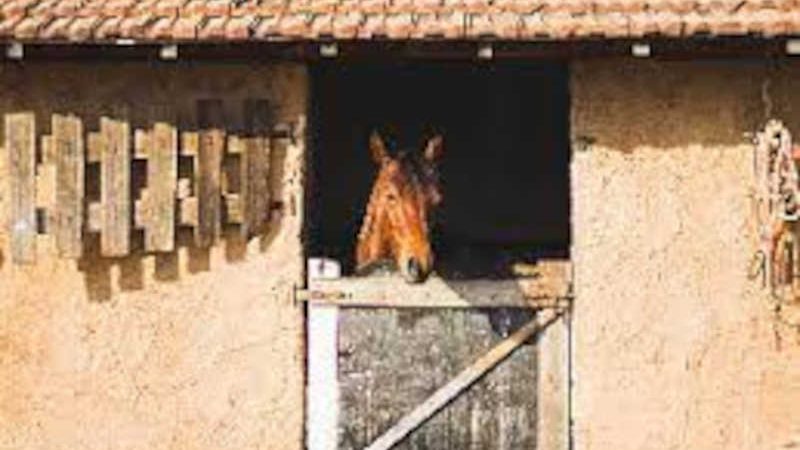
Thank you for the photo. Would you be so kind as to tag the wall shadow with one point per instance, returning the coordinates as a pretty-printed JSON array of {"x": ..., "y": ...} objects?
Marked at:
[{"x": 187, "y": 258}]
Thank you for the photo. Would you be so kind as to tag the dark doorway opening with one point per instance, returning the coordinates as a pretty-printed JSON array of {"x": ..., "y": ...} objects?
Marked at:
[{"x": 505, "y": 169}]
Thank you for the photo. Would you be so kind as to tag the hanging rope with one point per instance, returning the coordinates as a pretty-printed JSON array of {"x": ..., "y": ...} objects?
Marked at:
[{"x": 777, "y": 212}]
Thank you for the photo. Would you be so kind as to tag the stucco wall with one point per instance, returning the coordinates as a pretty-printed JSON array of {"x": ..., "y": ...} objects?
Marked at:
[
  {"x": 195, "y": 352},
  {"x": 674, "y": 347}
]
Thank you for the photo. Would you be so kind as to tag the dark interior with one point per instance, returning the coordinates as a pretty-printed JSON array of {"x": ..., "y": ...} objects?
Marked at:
[{"x": 504, "y": 173}]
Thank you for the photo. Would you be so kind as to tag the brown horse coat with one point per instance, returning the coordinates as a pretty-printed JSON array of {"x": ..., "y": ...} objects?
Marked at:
[{"x": 396, "y": 222}]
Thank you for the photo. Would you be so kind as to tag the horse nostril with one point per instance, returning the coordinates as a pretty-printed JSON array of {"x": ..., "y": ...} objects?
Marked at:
[{"x": 413, "y": 270}]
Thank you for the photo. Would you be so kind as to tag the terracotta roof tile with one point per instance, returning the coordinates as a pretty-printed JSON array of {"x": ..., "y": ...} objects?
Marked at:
[
  {"x": 82, "y": 28},
  {"x": 345, "y": 26},
  {"x": 235, "y": 20},
  {"x": 448, "y": 26}
]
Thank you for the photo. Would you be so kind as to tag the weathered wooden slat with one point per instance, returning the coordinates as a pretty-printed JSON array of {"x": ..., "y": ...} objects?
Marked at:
[
  {"x": 142, "y": 143},
  {"x": 115, "y": 188},
  {"x": 255, "y": 167},
  {"x": 69, "y": 156},
  {"x": 140, "y": 211},
  {"x": 184, "y": 188},
  {"x": 208, "y": 172},
  {"x": 549, "y": 287},
  {"x": 162, "y": 176},
  {"x": 190, "y": 142},
  {"x": 20, "y": 143},
  {"x": 233, "y": 208},
  {"x": 322, "y": 389},
  {"x": 46, "y": 177},
  {"x": 94, "y": 217},
  {"x": 235, "y": 145},
  {"x": 187, "y": 215},
  {"x": 462, "y": 381}
]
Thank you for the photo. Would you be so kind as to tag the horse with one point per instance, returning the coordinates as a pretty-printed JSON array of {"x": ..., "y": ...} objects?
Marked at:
[{"x": 396, "y": 221}]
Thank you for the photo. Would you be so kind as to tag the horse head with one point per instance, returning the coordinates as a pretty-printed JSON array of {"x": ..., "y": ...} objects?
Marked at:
[{"x": 404, "y": 194}]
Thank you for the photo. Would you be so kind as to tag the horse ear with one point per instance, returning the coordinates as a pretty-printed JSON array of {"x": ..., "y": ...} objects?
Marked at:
[
  {"x": 434, "y": 148},
  {"x": 377, "y": 148}
]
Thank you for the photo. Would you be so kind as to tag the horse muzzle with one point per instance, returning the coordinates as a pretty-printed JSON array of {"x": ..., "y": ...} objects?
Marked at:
[{"x": 413, "y": 271}]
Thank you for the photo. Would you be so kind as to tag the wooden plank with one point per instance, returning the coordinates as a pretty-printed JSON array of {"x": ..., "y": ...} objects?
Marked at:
[
  {"x": 46, "y": 177},
  {"x": 322, "y": 392},
  {"x": 115, "y": 188},
  {"x": 20, "y": 143},
  {"x": 69, "y": 156},
  {"x": 552, "y": 399},
  {"x": 142, "y": 143},
  {"x": 188, "y": 212},
  {"x": 184, "y": 188},
  {"x": 383, "y": 375},
  {"x": 233, "y": 208},
  {"x": 462, "y": 381},
  {"x": 94, "y": 217},
  {"x": 255, "y": 167},
  {"x": 550, "y": 289},
  {"x": 190, "y": 143},
  {"x": 208, "y": 172},
  {"x": 162, "y": 176}
]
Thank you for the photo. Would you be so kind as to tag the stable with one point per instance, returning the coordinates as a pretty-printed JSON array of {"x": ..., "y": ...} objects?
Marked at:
[{"x": 182, "y": 184}]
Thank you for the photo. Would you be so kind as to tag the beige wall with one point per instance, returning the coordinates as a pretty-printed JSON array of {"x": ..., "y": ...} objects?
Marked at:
[
  {"x": 674, "y": 346},
  {"x": 129, "y": 354}
]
